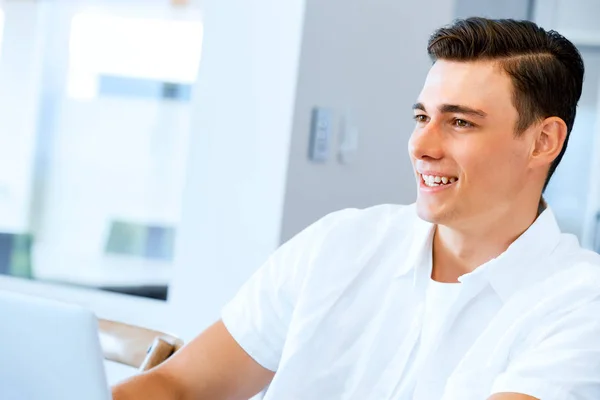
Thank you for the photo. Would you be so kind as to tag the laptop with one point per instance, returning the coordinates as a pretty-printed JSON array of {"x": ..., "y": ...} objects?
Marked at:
[{"x": 49, "y": 351}]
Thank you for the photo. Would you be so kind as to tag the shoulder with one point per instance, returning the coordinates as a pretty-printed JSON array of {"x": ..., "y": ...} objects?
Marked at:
[
  {"x": 574, "y": 269},
  {"x": 576, "y": 280},
  {"x": 565, "y": 300},
  {"x": 345, "y": 233},
  {"x": 357, "y": 230},
  {"x": 344, "y": 243},
  {"x": 568, "y": 310},
  {"x": 362, "y": 222}
]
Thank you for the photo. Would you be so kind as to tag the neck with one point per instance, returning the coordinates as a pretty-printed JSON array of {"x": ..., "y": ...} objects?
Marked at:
[{"x": 457, "y": 251}]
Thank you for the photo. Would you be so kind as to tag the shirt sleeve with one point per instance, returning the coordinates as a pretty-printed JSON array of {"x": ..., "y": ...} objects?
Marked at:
[
  {"x": 258, "y": 317},
  {"x": 561, "y": 360}
]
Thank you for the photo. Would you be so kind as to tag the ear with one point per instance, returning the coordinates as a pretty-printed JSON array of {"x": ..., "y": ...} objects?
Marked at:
[{"x": 549, "y": 141}]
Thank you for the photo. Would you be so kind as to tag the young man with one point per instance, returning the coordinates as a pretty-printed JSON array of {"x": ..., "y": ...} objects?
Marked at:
[{"x": 471, "y": 293}]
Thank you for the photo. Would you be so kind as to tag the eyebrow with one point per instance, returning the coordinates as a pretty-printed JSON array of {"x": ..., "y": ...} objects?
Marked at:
[{"x": 453, "y": 108}]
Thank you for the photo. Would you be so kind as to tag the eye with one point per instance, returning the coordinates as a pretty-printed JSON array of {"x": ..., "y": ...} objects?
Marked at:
[
  {"x": 461, "y": 123},
  {"x": 421, "y": 118}
]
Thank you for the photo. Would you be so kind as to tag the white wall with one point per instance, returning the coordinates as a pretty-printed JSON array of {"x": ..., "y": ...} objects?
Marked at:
[
  {"x": 518, "y": 9},
  {"x": 579, "y": 15},
  {"x": 367, "y": 61},
  {"x": 239, "y": 148}
]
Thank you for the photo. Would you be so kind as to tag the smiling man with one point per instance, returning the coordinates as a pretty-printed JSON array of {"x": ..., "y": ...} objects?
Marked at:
[{"x": 472, "y": 293}]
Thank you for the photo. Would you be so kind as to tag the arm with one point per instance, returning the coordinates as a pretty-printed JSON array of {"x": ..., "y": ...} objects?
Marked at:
[
  {"x": 558, "y": 359},
  {"x": 212, "y": 366}
]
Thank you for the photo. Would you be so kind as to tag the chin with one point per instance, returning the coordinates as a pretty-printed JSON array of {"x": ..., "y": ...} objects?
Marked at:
[
  {"x": 426, "y": 214},
  {"x": 430, "y": 213}
]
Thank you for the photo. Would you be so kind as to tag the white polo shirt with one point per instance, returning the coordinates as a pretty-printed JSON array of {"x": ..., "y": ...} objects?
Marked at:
[{"x": 338, "y": 313}]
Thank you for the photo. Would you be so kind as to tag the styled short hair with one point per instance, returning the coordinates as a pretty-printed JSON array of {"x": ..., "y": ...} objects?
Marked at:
[{"x": 546, "y": 69}]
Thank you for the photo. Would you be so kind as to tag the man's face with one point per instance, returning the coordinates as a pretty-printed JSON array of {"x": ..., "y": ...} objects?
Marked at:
[{"x": 469, "y": 165}]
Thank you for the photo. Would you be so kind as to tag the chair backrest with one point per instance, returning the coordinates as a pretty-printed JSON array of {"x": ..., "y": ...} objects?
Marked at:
[{"x": 136, "y": 346}]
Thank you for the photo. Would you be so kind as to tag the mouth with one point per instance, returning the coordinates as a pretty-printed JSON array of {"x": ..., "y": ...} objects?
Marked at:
[{"x": 433, "y": 181}]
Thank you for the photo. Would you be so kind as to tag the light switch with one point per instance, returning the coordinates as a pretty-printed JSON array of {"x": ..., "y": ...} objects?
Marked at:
[{"x": 320, "y": 134}]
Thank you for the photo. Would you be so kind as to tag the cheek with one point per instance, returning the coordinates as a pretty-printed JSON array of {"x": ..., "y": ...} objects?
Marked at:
[{"x": 497, "y": 167}]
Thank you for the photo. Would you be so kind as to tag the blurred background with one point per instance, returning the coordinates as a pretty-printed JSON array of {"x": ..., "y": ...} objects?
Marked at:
[
  {"x": 162, "y": 149},
  {"x": 94, "y": 128}
]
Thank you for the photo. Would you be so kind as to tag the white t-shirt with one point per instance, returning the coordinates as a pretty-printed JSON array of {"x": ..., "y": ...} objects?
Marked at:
[
  {"x": 438, "y": 301},
  {"x": 338, "y": 312}
]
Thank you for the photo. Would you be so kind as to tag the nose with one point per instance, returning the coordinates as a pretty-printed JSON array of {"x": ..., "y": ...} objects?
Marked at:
[{"x": 426, "y": 142}]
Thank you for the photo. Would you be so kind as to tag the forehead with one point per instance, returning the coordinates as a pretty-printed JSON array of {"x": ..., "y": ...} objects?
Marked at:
[{"x": 480, "y": 84}]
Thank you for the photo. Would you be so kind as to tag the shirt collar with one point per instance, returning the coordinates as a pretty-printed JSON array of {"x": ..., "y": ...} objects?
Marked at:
[
  {"x": 525, "y": 260},
  {"x": 418, "y": 251},
  {"x": 519, "y": 266}
]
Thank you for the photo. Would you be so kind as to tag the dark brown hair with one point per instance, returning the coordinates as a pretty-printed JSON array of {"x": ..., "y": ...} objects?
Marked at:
[{"x": 546, "y": 69}]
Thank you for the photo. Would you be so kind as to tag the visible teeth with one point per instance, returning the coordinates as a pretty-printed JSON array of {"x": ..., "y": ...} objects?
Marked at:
[{"x": 432, "y": 180}]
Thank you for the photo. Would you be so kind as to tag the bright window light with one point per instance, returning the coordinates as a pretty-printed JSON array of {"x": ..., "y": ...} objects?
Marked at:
[
  {"x": 155, "y": 49},
  {"x": 1, "y": 27}
]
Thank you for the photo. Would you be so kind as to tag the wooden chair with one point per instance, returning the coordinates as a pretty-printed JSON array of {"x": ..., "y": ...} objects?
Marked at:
[{"x": 135, "y": 346}]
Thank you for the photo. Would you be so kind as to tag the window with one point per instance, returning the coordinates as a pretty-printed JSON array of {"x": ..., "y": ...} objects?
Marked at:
[
  {"x": 103, "y": 171},
  {"x": 138, "y": 51}
]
